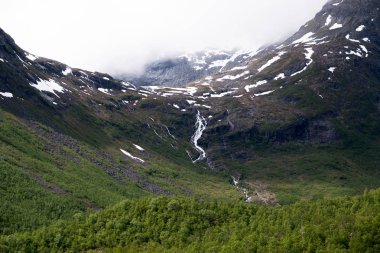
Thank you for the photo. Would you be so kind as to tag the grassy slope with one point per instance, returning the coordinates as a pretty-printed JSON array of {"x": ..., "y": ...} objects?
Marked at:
[
  {"x": 298, "y": 172},
  {"x": 39, "y": 186},
  {"x": 43, "y": 182}
]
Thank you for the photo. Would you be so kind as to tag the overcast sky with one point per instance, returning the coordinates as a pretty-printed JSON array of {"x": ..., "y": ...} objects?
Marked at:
[{"x": 122, "y": 35}]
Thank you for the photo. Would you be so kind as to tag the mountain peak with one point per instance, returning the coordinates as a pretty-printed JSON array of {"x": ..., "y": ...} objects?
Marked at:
[
  {"x": 339, "y": 18},
  {"x": 8, "y": 47}
]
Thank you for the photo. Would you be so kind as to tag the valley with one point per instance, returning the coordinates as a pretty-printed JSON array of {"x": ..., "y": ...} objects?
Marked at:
[{"x": 198, "y": 145}]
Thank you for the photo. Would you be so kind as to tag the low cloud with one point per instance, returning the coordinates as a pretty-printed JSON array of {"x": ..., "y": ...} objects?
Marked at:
[{"x": 118, "y": 36}]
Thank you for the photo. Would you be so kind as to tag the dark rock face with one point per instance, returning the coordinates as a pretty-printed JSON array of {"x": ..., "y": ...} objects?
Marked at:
[
  {"x": 378, "y": 104},
  {"x": 8, "y": 47},
  {"x": 318, "y": 130}
]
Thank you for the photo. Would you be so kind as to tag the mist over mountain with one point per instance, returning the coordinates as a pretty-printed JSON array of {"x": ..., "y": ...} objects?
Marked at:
[
  {"x": 269, "y": 150},
  {"x": 121, "y": 37}
]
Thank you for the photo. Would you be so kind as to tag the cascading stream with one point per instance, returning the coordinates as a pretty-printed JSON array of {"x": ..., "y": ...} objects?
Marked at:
[{"x": 200, "y": 126}]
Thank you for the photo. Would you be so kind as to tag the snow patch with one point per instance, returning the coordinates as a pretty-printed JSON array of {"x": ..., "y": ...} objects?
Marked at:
[
  {"x": 129, "y": 85},
  {"x": 306, "y": 38},
  {"x": 309, "y": 53},
  {"x": 222, "y": 63},
  {"x": 138, "y": 147},
  {"x": 49, "y": 86},
  {"x": 67, "y": 71},
  {"x": 205, "y": 106},
  {"x": 352, "y": 40},
  {"x": 191, "y": 102},
  {"x": 222, "y": 94},
  {"x": 229, "y": 77},
  {"x": 170, "y": 91},
  {"x": 271, "y": 61},
  {"x": 263, "y": 93},
  {"x": 328, "y": 20},
  {"x": 131, "y": 156},
  {"x": 360, "y": 28},
  {"x": 105, "y": 91},
  {"x": 332, "y": 69},
  {"x": 336, "y": 4},
  {"x": 239, "y": 68},
  {"x": 189, "y": 90},
  {"x": 355, "y": 53},
  {"x": 218, "y": 63},
  {"x": 248, "y": 87},
  {"x": 6, "y": 94},
  {"x": 336, "y": 26},
  {"x": 364, "y": 49},
  {"x": 279, "y": 76}
]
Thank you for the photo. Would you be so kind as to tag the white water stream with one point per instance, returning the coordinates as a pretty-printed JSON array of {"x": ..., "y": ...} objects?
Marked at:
[
  {"x": 235, "y": 182},
  {"x": 200, "y": 126}
]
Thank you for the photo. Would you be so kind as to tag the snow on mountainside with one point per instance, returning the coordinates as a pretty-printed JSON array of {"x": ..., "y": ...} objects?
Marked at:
[
  {"x": 343, "y": 33},
  {"x": 329, "y": 45},
  {"x": 224, "y": 104},
  {"x": 350, "y": 23},
  {"x": 189, "y": 67},
  {"x": 340, "y": 35}
]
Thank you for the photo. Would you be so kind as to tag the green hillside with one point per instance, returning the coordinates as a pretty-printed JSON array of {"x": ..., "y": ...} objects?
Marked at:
[
  {"x": 48, "y": 176},
  {"x": 163, "y": 224}
]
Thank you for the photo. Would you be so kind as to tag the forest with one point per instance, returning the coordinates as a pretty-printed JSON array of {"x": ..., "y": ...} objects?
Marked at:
[{"x": 164, "y": 224}]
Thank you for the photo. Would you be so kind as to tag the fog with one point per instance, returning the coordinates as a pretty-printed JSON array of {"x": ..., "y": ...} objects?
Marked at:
[{"x": 120, "y": 36}]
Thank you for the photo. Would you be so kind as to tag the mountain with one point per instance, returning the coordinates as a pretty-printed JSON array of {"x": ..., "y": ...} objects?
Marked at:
[
  {"x": 299, "y": 120},
  {"x": 189, "y": 67},
  {"x": 73, "y": 140}
]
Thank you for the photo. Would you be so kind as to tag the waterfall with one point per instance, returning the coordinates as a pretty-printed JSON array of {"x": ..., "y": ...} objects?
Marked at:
[{"x": 200, "y": 126}]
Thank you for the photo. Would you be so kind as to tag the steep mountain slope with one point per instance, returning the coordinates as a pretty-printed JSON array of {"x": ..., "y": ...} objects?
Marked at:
[
  {"x": 330, "y": 89},
  {"x": 298, "y": 120},
  {"x": 187, "y": 68},
  {"x": 68, "y": 144}
]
